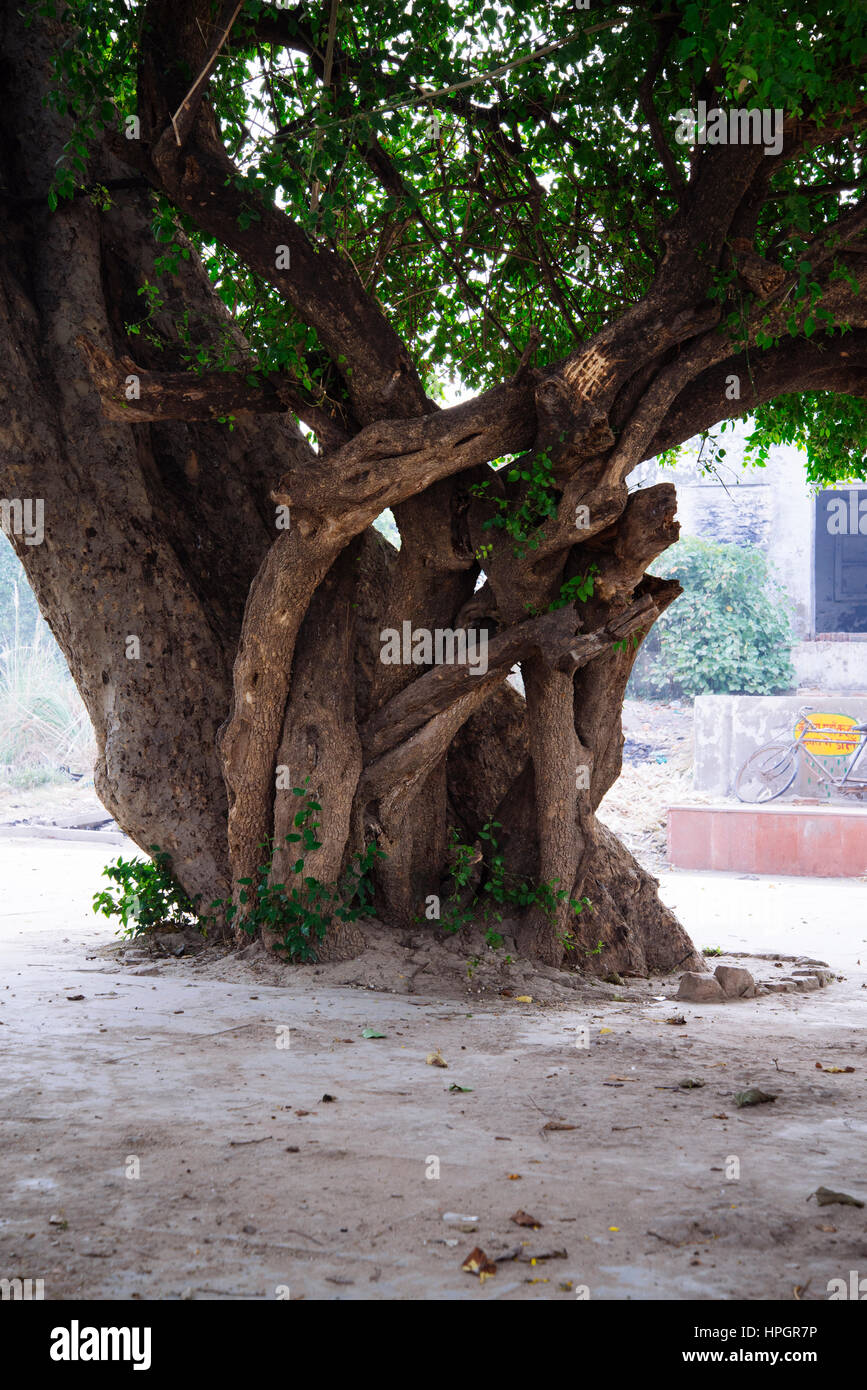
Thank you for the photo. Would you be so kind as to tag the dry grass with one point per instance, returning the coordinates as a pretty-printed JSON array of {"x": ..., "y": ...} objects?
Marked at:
[
  {"x": 43, "y": 721},
  {"x": 636, "y": 808}
]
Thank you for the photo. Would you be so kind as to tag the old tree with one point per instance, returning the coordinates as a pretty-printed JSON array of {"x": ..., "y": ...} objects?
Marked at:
[{"x": 251, "y": 254}]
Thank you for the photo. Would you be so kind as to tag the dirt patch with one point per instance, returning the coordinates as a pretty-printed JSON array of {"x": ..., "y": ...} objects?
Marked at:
[
  {"x": 73, "y": 804},
  {"x": 658, "y": 731},
  {"x": 170, "y": 1133},
  {"x": 657, "y": 774},
  {"x": 422, "y": 963}
]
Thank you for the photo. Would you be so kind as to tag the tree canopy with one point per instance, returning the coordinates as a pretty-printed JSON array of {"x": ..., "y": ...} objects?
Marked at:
[{"x": 493, "y": 173}]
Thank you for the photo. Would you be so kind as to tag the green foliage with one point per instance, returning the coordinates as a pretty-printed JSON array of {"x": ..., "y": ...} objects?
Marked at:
[
  {"x": 538, "y": 148},
  {"x": 633, "y": 640},
  {"x": 578, "y": 589},
  {"x": 147, "y": 895},
  {"x": 831, "y": 429},
  {"x": 499, "y": 889},
  {"x": 301, "y": 912},
  {"x": 526, "y": 507},
  {"x": 729, "y": 632}
]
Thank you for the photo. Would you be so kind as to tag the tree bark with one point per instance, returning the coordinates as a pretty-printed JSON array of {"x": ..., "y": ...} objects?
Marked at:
[
  {"x": 224, "y": 657},
  {"x": 152, "y": 533}
]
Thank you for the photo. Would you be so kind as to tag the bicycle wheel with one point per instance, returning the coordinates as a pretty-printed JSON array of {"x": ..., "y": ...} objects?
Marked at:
[{"x": 767, "y": 773}]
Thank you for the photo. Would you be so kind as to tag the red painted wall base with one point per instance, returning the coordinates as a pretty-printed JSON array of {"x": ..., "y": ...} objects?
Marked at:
[{"x": 816, "y": 841}]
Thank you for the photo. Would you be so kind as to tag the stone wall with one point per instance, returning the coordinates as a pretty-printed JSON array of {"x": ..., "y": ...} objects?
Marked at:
[{"x": 728, "y": 728}]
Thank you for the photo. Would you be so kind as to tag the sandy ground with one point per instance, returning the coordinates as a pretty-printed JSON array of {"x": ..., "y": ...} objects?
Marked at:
[{"x": 251, "y": 1180}]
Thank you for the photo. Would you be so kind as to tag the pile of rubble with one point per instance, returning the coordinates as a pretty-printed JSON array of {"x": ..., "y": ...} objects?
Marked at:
[{"x": 733, "y": 982}]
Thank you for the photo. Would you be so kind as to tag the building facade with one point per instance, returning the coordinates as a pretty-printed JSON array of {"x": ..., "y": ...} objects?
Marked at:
[{"x": 816, "y": 541}]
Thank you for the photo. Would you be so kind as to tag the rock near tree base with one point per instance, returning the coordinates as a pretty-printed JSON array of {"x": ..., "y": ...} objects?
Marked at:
[
  {"x": 736, "y": 982},
  {"x": 733, "y": 982},
  {"x": 727, "y": 982},
  {"x": 700, "y": 989}
]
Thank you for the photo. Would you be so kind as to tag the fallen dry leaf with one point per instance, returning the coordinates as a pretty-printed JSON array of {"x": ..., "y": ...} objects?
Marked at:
[
  {"x": 477, "y": 1262},
  {"x": 436, "y": 1059},
  {"x": 523, "y": 1218},
  {"x": 524, "y": 1257},
  {"x": 826, "y": 1198},
  {"x": 753, "y": 1096},
  {"x": 558, "y": 1124},
  {"x": 523, "y": 998},
  {"x": 514, "y": 1177},
  {"x": 833, "y": 1071}
]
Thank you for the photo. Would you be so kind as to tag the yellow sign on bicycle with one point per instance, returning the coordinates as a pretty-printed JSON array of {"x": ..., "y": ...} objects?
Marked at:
[{"x": 829, "y": 737}]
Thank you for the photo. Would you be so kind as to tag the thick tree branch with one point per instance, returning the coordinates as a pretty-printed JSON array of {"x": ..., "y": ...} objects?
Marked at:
[
  {"x": 837, "y": 364},
  {"x": 204, "y": 182},
  {"x": 558, "y": 638},
  {"x": 212, "y": 395},
  {"x": 394, "y": 459}
]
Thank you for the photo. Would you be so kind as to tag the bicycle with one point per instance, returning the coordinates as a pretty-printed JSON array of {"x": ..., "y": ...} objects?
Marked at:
[{"x": 771, "y": 770}]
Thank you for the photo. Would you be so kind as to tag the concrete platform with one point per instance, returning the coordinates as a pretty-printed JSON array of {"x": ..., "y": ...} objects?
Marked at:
[{"x": 814, "y": 841}]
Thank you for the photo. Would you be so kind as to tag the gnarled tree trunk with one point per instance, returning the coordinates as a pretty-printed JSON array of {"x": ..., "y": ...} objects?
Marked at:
[{"x": 243, "y": 560}]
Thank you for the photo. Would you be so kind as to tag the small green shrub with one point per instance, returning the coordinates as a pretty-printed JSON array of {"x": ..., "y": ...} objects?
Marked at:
[
  {"x": 730, "y": 631},
  {"x": 499, "y": 890},
  {"x": 147, "y": 895},
  {"x": 522, "y": 517},
  {"x": 301, "y": 913}
]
